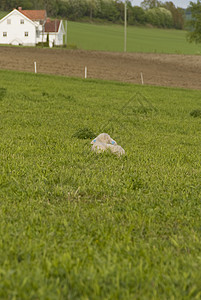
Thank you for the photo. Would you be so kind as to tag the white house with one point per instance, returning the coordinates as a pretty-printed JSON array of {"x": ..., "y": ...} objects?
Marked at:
[
  {"x": 55, "y": 30},
  {"x": 29, "y": 27}
]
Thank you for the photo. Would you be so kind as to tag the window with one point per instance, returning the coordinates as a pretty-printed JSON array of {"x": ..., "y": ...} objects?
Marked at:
[
  {"x": 26, "y": 33},
  {"x": 21, "y": 21},
  {"x": 8, "y": 21},
  {"x": 4, "y": 34}
]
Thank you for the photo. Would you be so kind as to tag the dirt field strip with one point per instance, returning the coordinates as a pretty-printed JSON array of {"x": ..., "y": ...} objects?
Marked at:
[{"x": 158, "y": 69}]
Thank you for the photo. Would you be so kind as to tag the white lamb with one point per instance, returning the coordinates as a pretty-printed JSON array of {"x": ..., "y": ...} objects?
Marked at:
[{"x": 104, "y": 142}]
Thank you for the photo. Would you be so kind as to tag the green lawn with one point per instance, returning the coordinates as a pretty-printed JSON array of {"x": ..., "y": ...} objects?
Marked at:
[
  {"x": 111, "y": 38},
  {"x": 76, "y": 225},
  {"x": 3, "y": 14}
]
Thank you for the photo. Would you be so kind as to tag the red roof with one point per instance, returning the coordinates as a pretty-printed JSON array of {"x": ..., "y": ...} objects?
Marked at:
[
  {"x": 34, "y": 15},
  {"x": 52, "y": 26}
]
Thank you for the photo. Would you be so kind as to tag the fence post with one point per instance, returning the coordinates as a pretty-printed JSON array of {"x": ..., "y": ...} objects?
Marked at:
[
  {"x": 142, "y": 79},
  {"x": 35, "y": 68},
  {"x": 85, "y": 73}
]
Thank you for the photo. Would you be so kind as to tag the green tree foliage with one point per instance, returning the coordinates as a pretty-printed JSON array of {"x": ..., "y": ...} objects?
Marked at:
[
  {"x": 108, "y": 10},
  {"x": 74, "y": 9},
  {"x": 92, "y": 6},
  {"x": 152, "y": 11},
  {"x": 148, "y": 4},
  {"x": 194, "y": 34},
  {"x": 120, "y": 8},
  {"x": 4, "y": 5},
  {"x": 177, "y": 14},
  {"x": 136, "y": 16},
  {"x": 160, "y": 17}
]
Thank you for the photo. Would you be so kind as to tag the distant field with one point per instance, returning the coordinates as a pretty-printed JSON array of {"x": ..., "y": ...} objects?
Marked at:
[
  {"x": 3, "y": 14},
  {"x": 139, "y": 39},
  {"x": 111, "y": 38},
  {"x": 76, "y": 225}
]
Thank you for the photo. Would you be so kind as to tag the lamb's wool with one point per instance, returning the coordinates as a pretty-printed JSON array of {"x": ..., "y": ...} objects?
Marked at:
[
  {"x": 99, "y": 147},
  {"x": 116, "y": 149},
  {"x": 103, "y": 142}
]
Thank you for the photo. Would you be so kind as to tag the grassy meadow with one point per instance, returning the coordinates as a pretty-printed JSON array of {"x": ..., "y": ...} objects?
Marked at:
[
  {"x": 77, "y": 225},
  {"x": 139, "y": 39},
  {"x": 110, "y": 37},
  {"x": 3, "y": 14}
]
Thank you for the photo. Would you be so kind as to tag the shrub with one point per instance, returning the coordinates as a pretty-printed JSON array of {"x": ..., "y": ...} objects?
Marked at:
[
  {"x": 2, "y": 93},
  {"x": 69, "y": 46},
  {"x": 196, "y": 113},
  {"x": 84, "y": 133},
  {"x": 160, "y": 17},
  {"x": 136, "y": 15}
]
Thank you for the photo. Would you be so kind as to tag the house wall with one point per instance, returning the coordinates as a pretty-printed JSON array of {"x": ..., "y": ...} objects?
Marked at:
[
  {"x": 39, "y": 32},
  {"x": 16, "y": 31},
  {"x": 60, "y": 37},
  {"x": 54, "y": 38}
]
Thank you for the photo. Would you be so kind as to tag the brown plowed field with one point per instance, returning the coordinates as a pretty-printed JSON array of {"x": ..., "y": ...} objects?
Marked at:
[{"x": 157, "y": 69}]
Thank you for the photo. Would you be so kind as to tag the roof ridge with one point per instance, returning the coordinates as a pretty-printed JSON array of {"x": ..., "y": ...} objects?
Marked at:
[
  {"x": 52, "y": 25},
  {"x": 34, "y": 14}
]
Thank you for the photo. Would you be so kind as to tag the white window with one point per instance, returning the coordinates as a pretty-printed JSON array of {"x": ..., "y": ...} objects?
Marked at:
[
  {"x": 4, "y": 33},
  {"x": 26, "y": 33},
  {"x": 8, "y": 21},
  {"x": 21, "y": 21}
]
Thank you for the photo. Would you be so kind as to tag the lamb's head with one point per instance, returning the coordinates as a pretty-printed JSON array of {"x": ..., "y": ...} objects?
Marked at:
[
  {"x": 104, "y": 138},
  {"x": 92, "y": 142}
]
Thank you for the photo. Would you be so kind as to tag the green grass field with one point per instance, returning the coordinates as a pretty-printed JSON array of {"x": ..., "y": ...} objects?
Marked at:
[
  {"x": 3, "y": 14},
  {"x": 77, "y": 225},
  {"x": 111, "y": 38}
]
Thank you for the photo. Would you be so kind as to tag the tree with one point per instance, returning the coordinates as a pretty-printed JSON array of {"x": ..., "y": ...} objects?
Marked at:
[
  {"x": 108, "y": 10},
  {"x": 74, "y": 10},
  {"x": 177, "y": 14},
  {"x": 48, "y": 40},
  {"x": 4, "y": 5},
  {"x": 120, "y": 8},
  {"x": 51, "y": 6},
  {"x": 92, "y": 7},
  {"x": 147, "y": 4},
  {"x": 136, "y": 15},
  {"x": 160, "y": 17},
  {"x": 194, "y": 35}
]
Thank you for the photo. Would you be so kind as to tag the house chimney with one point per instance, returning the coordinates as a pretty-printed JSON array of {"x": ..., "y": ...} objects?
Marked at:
[{"x": 19, "y": 8}]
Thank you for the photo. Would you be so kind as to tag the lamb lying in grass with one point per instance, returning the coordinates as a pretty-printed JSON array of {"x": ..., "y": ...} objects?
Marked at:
[{"x": 103, "y": 142}]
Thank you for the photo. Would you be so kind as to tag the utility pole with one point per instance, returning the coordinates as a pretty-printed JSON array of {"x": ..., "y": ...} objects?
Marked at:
[
  {"x": 66, "y": 28},
  {"x": 125, "y": 25}
]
